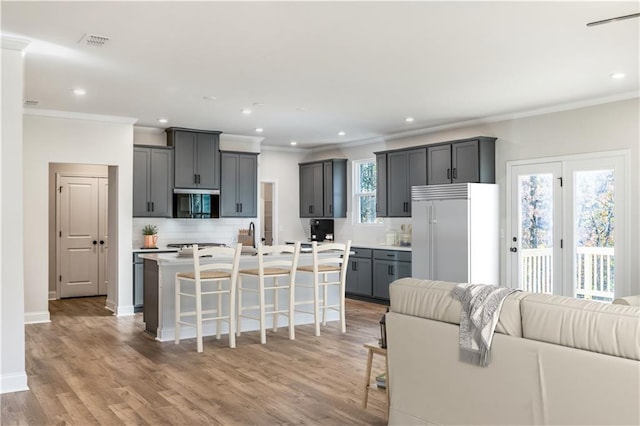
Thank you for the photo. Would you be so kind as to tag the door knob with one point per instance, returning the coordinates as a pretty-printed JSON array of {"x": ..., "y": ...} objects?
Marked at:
[
  {"x": 101, "y": 241},
  {"x": 513, "y": 249},
  {"x": 94, "y": 242}
]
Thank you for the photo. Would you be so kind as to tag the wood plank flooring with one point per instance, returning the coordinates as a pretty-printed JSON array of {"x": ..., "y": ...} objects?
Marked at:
[{"x": 88, "y": 367}]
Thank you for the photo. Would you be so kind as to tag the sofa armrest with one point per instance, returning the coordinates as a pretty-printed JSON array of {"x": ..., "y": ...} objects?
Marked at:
[{"x": 629, "y": 300}]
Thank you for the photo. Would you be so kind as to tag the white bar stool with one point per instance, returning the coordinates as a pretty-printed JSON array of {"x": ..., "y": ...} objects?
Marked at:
[
  {"x": 211, "y": 272},
  {"x": 320, "y": 270},
  {"x": 284, "y": 266}
]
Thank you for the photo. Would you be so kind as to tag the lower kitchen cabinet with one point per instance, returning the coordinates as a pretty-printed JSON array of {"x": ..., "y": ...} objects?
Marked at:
[
  {"x": 388, "y": 266},
  {"x": 138, "y": 279},
  {"x": 359, "y": 273},
  {"x": 371, "y": 271}
]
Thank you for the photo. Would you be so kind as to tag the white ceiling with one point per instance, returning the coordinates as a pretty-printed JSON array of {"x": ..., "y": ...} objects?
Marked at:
[{"x": 311, "y": 69}]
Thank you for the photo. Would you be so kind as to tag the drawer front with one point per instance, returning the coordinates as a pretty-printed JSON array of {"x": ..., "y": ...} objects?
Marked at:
[
  {"x": 402, "y": 256},
  {"x": 361, "y": 252}
]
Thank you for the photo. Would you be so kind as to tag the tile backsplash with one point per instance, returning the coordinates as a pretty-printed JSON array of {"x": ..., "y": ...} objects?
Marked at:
[{"x": 223, "y": 230}]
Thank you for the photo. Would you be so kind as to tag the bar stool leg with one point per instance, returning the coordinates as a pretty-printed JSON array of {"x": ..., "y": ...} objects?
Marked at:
[
  {"x": 219, "y": 312},
  {"x": 239, "y": 313},
  {"x": 367, "y": 379},
  {"x": 275, "y": 304}
]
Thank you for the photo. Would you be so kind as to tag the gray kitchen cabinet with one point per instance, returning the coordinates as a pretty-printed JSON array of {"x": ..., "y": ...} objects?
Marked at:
[
  {"x": 463, "y": 161},
  {"x": 197, "y": 158},
  {"x": 138, "y": 282},
  {"x": 405, "y": 169},
  {"x": 239, "y": 184},
  {"x": 323, "y": 188},
  {"x": 381, "y": 185},
  {"x": 335, "y": 188},
  {"x": 152, "y": 181},
  {"x": 311, "y": 190},
  {"x": 388, "y": 266},
  {"x": 359, "y": 279}
]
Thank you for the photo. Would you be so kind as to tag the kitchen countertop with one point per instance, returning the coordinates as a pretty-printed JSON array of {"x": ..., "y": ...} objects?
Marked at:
[
  {"x": 156, "y": 250},
  {"x": 376, "y": 246}
]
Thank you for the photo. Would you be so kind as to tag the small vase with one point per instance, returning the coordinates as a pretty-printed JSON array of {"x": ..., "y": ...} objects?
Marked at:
[{"x": 150, "y": 241}]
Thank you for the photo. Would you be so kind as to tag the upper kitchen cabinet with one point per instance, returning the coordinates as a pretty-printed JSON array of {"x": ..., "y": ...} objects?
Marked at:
[
  {"x": 239, "y": 184},
  {"x": 462, "y": 161},
  {"x": 152, "y": 181},
  {"x": 197, "y": 159},
  {"x": 323, "y": 188},
  {"x": 405, "y": 169},
  {"x": 335, "y": 188}
]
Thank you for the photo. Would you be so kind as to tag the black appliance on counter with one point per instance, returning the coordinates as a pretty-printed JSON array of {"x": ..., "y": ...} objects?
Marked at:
[
  {"x": 196, "y": 204},
  {"x": 321, "y": 229}
]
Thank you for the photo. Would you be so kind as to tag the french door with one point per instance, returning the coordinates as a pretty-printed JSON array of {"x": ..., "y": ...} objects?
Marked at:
[{"x": 567, "y": 224}]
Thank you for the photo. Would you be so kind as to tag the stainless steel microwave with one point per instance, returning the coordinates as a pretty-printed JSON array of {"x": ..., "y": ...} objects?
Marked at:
[{"x": 196, "y": 204}]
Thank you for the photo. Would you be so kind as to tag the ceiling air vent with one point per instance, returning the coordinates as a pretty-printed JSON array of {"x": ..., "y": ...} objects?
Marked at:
[
  {"x": 31, "y": 103},
  {"x": 93, "y": 40}
]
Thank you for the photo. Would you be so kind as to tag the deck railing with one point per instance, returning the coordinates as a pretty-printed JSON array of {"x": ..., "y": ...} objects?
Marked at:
[{"x": 594, "y": 272}]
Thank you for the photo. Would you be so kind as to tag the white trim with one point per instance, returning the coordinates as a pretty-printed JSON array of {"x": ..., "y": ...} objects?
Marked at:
[
  {"x": 12, "y": 43},
  {"x": 79, "y": 116},
  {"x": 122, "y": 311},
  {"x": 283, "y": 149},
  {"x": 53, "y": 295},
  {"x": 14, "y": 382},
  {"x": 36, "y": 317}
]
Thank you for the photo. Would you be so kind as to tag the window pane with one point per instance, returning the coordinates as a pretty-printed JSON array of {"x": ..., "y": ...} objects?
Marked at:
[
  {"x": 367, "y": 209},
  {"x": 367, "y": 177}
]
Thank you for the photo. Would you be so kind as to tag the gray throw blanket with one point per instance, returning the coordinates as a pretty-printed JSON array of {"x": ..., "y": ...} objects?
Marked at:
[{"x": 481, "y": 306}]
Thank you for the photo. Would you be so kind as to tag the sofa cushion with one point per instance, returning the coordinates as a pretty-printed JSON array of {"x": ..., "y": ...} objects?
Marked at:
[
  {"x": 432, "y": 300},
  {"x": 593, "y": 326}
]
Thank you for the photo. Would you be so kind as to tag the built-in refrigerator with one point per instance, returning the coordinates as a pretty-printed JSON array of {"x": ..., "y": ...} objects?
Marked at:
[{"x": 455, "y": 233}]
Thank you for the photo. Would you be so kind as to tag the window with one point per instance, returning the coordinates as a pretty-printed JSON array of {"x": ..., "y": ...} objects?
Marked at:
[{"x": 364, "y": 191}]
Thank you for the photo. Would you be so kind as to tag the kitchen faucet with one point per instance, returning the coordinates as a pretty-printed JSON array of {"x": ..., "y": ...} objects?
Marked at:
[{"x": 252, "y": 232}]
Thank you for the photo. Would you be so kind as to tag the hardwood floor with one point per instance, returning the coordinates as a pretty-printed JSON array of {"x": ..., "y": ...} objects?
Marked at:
[{"x": 89, "y": 367}]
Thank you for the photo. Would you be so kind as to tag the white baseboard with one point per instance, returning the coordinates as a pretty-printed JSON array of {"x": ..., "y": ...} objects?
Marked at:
[
  {"x": 53, "y": 295},
  {"x": 15, "y": 382},
  {"x": 124, "y": 311},
  {"x": 36, "y": 317}
]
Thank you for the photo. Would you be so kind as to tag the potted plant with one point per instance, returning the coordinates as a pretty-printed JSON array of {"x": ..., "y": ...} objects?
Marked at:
[{"x": 150, "y": 233}]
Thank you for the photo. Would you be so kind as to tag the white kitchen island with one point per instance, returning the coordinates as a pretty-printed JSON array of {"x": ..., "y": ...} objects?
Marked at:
[{"x": 159, "y": 296}]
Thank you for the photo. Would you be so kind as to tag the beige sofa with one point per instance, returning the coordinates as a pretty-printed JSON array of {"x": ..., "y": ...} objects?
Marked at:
[{"x": 554, "y": 360}]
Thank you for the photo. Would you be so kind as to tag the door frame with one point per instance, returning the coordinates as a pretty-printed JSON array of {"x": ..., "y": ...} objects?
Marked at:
[
  {"x": 274, "y": 209},
  {"x": 623, "y": 265},
  {"x": 58, "y": 176}
]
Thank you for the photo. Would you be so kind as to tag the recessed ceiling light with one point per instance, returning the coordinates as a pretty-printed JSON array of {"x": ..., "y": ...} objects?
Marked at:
[
  {"x": 409, "y": 119},
  {"x": 300, "y": 109},
  {"x": 209, "y": 98},
  {"x": 162, "y": 120},
  {"x": 341, "y": 133},
  {"x": 618, "y": 75},
  {"x": 259, "y": 130},
  {"x": 293, "y": 143},
  {"x": 79, "y": 92},
  {"x": 246, "y": 111}
]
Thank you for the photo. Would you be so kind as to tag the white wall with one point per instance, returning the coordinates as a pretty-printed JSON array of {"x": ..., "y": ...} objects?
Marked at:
[
  {"x": 13, "y": 375},
  {"x": 56, "y": 137},
  {"x": 281, "y": 167},
  {"x": 605, "y": 127}
]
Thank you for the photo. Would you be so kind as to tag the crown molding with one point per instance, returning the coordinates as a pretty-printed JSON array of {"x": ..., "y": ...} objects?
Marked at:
[
  {"x": 13, "y": 43},
  {"x": 80, "y": 116}
]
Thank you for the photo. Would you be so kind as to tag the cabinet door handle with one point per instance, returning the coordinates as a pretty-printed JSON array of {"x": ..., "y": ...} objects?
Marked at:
[
  {"x": 331, "y": 208},
  {"x": 392, "y": 272},
  {"x": 148, "y": 206},
  {"x": 448, "y": 173},
  {"x": 240, "y": 207},
  {"x": 377, "y": 208},
  {"x": 195, "y": 178},
  {"x": 455, "y": 173},
  {"x": 153, "y": 206},
  {"x": 353, "y": 266},
  {"x": 237, "y": 210}
]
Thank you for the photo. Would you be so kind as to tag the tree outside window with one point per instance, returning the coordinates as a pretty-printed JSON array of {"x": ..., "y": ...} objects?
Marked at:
[{"x": 364, "y": 190}]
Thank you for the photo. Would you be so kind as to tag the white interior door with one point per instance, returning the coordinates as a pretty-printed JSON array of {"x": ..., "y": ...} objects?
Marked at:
[
  {"x": 82, "y": 236},
  {"x": 535, "y": 239}
]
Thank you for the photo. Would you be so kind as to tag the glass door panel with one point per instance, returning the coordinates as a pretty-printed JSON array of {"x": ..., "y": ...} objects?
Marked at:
[
  {"x": 594, "y": 234},
  {"x": 536, "y": 222}
]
